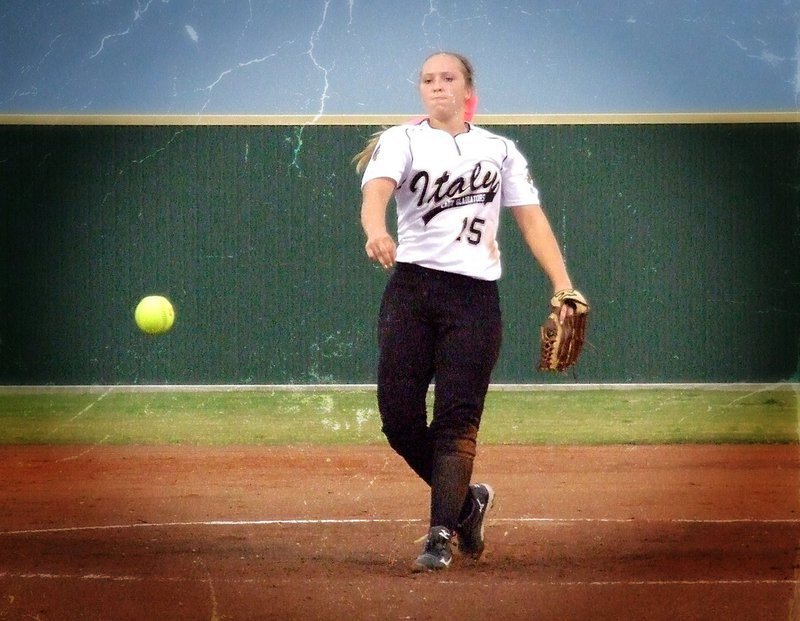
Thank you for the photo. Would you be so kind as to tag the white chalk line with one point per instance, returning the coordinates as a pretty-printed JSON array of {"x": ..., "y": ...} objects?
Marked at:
[
  {"x": 5, "y": 575},
  {"x": 345, "y": 521},
  {"x": 84, "y": 453},
  {"x": 278, "y": 522},
  {"x": 91, "y": 405},
  {"x": 83, "y": 411}
]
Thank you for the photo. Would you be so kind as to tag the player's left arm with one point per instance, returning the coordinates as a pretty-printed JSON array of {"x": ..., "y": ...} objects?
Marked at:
[{"x": 539, "y": 237}]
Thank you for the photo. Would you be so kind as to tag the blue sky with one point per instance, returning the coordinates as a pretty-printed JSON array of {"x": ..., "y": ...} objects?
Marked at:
[{"x": 362, "y": 57}]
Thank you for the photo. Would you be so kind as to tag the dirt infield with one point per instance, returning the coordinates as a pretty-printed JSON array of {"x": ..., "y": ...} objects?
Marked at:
[{"x": 633, "y": 532}]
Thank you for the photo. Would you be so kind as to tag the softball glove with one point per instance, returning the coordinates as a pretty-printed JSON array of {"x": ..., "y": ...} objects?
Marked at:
[{"x": 561, "y": 342}]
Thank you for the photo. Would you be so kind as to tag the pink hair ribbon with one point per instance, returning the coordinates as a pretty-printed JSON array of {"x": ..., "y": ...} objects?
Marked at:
[{"x": 470, "y": 107}]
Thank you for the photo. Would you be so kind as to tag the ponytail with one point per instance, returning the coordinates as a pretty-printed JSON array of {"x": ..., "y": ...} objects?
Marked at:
[{"x": 361, "y": 159}]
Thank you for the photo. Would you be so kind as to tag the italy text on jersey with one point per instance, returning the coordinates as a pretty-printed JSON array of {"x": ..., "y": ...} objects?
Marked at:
[{"x": 444, "y": 193}]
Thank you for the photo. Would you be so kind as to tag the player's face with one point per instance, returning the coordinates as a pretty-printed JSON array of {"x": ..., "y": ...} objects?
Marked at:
[{"x": 443, "y": 86}]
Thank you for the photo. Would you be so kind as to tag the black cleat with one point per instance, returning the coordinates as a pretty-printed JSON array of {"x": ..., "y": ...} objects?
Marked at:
[
  {"x": 470, "y": 531},
  {"x": 436, "y": 554}
]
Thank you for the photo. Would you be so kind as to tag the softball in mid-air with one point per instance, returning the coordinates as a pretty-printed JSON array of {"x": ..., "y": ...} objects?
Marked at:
[{"x": 154, "y": 314}]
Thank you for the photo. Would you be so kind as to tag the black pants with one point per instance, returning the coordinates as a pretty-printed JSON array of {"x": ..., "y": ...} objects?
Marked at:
[{"x": 441, "y": 327}]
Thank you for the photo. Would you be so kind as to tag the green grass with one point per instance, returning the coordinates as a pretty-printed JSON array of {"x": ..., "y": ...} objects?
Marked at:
[
  {"x": 652, "y": 416},
  {"x": 596, "y": 416}
]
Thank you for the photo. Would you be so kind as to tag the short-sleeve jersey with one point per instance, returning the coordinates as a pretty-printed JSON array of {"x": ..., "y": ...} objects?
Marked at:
[{"x": 449, "y": 193}]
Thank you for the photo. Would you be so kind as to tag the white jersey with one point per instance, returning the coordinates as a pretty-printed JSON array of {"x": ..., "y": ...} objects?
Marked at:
[{"x": 449, "y": 193}]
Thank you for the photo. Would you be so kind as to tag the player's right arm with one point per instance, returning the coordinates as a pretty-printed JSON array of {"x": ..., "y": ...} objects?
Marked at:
[{"x": 380, "y": 245}]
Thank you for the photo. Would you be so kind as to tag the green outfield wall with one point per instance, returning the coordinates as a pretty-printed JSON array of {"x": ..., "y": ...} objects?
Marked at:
[{"x": 685, "y": 236}]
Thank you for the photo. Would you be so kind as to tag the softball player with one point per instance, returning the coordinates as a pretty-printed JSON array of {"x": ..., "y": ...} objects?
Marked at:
[{"x": 440, "y": 315}]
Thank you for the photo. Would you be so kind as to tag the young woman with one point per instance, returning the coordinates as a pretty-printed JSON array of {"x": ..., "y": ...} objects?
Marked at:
[{"x": 440, "y": 315}]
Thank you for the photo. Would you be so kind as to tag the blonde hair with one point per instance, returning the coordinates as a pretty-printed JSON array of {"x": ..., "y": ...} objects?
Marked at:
[{"x": 361, "y": 159}]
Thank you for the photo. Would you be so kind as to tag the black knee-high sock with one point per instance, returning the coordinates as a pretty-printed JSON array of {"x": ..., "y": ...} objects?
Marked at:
[
  {"x": 415, "y": 447},
  {"x": 450, "y": 478},
  {"x": 466, "y": 507}
]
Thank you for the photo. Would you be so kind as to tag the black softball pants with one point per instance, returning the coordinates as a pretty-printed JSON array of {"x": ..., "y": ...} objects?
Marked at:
[{"x": 446, "y": 328}]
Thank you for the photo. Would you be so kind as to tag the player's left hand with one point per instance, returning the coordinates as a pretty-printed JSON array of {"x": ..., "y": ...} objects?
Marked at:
[
  {"x": 563, "y": 332},
  {"x": 567, "y": 310}
]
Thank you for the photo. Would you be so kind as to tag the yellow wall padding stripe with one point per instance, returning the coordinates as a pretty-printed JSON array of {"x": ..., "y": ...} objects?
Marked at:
[{"x": 345, "y": 119}]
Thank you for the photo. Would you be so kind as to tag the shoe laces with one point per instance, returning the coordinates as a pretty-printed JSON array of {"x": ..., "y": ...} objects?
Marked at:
[
  {"x": 438, "y": 540},
  {"x": 441, "y": 533}
]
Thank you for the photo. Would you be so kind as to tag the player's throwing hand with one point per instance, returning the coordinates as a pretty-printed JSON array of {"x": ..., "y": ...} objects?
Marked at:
[{"x": 381, "y": 249}]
